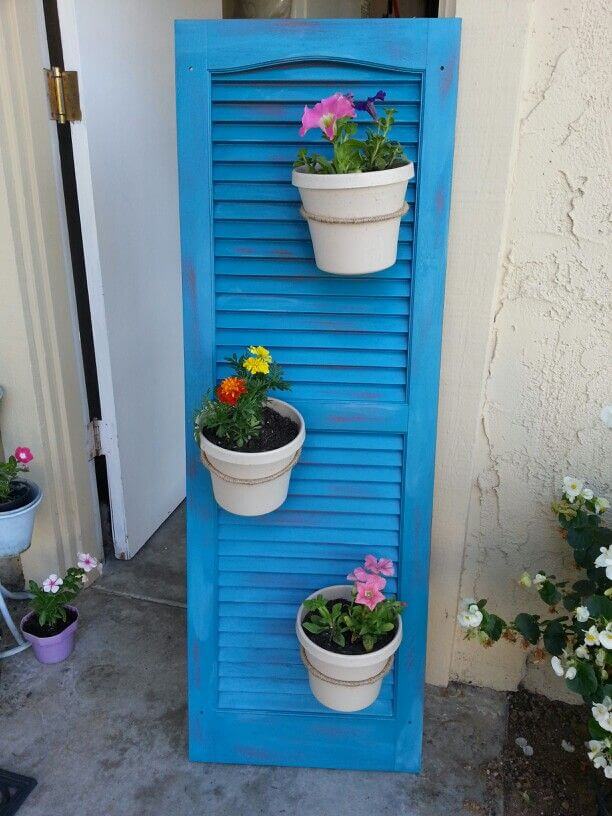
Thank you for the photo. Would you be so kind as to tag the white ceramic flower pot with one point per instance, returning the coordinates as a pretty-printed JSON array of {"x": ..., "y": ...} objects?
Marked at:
[
  {"x": 337, "y": 667},
  {"x": 354, "y": 218},
  {"x": 16, "y": 526},
  {"x": 252, "y": 484}
]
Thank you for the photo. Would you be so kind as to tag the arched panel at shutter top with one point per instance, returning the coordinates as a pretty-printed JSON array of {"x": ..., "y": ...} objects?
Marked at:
[{"x": 362, "y": 354}]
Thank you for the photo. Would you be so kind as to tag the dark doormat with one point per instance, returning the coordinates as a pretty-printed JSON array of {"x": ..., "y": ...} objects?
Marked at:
[{"x": 14, "y": 790}]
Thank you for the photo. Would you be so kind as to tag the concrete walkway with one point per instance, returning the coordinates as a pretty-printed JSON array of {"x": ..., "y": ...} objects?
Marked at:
[{"x": 105, "y": 734}]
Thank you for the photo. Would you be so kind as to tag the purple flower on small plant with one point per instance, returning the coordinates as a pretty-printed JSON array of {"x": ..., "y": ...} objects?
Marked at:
[
  {"x": 368, "y": 104},
  {"x": 374, "y": 151}
]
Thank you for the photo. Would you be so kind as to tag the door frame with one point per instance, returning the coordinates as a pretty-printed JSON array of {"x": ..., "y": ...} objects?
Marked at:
[
  {"x": 109, "y": 447},
  {"x": 79, "y": 272},
  {"x": 45, "y": 404}
]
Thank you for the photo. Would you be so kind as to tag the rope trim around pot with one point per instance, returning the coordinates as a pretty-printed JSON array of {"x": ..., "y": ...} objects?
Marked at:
[
  {"x": 362, "y": 219},
  {"x": 235, "y": 480},
  {"x": 347, "y": 683}
]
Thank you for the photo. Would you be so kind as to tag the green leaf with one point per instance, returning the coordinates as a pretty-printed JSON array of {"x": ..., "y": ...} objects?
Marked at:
[
  {"x": 599, "y": 606},
  {"x": 596, "y": 731},
  {"x": 585, "y": 681},
  {"x": 555, "y": 638},
  {"x": 339, "y": 638},
  {"x": 312, "y": 627},
  {"x": 314, "y": 603},
  {"x": 549, "y": 593},
  {"x": 493, "y": 626},
  {"x": 527, "y": 626},
  {"x": 571, "y": 601},
  {"x": 368, "y": 643},
  {"x": 602, "y": 691},
  {"x": 584, "y": 588}
]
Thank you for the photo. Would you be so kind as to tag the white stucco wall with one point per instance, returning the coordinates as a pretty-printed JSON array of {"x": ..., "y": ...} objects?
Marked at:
[{"x": 548, "y": 374}]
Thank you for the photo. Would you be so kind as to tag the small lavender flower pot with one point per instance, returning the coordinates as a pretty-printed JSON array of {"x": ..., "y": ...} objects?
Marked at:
[{"x": 52, "y": 649}]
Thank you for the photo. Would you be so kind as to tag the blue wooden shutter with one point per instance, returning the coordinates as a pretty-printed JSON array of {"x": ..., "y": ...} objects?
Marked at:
[{"x": 362, "y": 353}]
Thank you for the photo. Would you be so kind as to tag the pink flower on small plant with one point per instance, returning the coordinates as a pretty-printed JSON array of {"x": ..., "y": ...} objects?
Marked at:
[
  {"x": 326, "y": 113},
  {"x": 52, "y": 584},
  {"x": 379, "y": 566},
  {"x": 358, "y": 574},
  {"x": 86, "y": 562},
  {"x": 23, "y": 455},
  {"x": 368, "y": 592}
]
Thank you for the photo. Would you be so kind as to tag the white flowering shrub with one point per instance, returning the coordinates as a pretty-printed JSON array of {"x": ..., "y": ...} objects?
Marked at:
[{"x": 579, "y": 642}]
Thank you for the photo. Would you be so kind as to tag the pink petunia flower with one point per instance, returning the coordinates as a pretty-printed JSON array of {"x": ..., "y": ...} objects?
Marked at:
[
  {"x": 379, "y": 566},
  {"x": 52, "y": 584},
  {"x": 326, "y": 113},
  {"x": 358, "y": 574},
  {"x": 87, "y": 562},
  {"x": 23, "y": 455},
  {"x": 368, "y": 592}
]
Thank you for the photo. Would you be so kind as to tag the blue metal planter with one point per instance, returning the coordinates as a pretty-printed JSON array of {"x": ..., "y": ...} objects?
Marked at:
[{"x": 362, "y": 353}]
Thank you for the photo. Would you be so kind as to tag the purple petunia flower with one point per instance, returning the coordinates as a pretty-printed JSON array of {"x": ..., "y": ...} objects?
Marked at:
[{"x": 368, "y": 105}]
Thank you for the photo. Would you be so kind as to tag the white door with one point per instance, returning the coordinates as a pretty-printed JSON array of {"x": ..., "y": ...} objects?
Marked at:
[{"x": 125, "y": 162}]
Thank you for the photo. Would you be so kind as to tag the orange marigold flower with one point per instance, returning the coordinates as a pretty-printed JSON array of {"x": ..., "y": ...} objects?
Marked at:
[{"x": 231, "y": 389}]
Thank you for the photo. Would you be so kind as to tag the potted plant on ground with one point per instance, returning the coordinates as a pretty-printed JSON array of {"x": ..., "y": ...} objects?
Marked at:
[
  {"x": 348, "y": 637},
  {"x": 580, "y": 642},
  {"x": 249, "y": 441},
  {"x": 51, "y": 625},
  {"x": 354, "y": 200},
  {"x": 19, "y": 500}
]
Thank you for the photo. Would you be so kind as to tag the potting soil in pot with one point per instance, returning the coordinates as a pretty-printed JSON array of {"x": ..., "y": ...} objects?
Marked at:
[
  {"x": 325, "y": 642},
  {"x": 22, "y": 493},
  {"x": 276, "y": 431},
  {"x": 32, "y": 627}
]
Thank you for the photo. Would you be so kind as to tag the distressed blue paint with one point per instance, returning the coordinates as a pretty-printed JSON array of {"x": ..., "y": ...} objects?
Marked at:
[{"x": 363, "y": 354}]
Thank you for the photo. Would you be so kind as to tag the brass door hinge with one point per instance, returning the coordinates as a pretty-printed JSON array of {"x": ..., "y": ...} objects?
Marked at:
[{"x": 63, "y": 91}]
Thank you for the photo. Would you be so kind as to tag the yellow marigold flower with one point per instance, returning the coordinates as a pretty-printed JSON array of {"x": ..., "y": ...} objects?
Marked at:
[
  {"x": 256, "y": 365},
  {"x": 260, "y": 351}
]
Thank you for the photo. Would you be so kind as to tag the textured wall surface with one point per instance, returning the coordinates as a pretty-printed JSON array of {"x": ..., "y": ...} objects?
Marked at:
[{"x": 548, "y": 375}]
